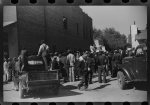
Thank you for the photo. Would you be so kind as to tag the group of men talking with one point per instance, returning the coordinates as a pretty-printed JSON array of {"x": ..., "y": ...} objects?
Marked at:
[{"x": 86, "y": 63}]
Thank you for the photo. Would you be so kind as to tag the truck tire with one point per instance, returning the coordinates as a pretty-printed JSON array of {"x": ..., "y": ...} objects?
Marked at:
[
  {"x": 121, "y": 80},
  {"x": 21, "y": 91}
]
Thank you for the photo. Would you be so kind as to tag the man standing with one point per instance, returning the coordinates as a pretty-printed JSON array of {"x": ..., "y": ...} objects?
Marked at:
[
  {"x": 71, "y": 62},
  {"x": 110, "y": 55},
  {"x": 63, "y": 66},
  {"x": 101, "y": 67},
  {"x": 10, "y": 67},
  {"x": 117, "y": 59},
  {"x": 43, "y": 52},
  {"x": 91, "y": 65},
  {"x": 83, "y": 71},
  {"x": 16, "y": 74},
  {"x": 5, "y": 67}
]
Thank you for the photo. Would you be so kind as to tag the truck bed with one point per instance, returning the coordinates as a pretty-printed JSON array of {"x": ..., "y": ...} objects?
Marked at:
[
  {"x": 42, "y": 75},
  {"x": 42, "y": 79}
]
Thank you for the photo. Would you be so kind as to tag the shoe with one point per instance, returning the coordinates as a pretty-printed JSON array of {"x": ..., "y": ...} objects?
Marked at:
[
  {"x": 85, "y": 88},
  {"x": 90, "y": 82},
  {"x": 79, "y": 87}
]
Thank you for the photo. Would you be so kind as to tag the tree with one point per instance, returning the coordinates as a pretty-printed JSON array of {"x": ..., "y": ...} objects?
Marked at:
[
  {"x": 114, "y": 38},
  {"x": 98, "y": 34},
  {"x": 110, "y": 38}
]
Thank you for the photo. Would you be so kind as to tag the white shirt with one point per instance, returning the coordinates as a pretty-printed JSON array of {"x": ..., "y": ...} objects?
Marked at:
[
  {"x": 5, "y": 66},
  {"x": 71, "y": 59},
  {"x": 43, "y": 49}
]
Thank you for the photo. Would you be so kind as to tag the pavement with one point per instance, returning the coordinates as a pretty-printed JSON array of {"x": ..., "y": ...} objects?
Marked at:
[{"x": 96, "y": 92}]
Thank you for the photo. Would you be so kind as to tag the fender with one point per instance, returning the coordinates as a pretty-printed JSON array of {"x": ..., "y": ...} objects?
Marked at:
[{"x": 128, "y": 75}]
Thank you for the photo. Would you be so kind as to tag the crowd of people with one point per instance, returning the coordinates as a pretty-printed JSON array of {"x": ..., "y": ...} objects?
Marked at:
[{"x": 72, "y": 65}]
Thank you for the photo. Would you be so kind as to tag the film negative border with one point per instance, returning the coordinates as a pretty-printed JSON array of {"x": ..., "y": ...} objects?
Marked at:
[
  {"x": 76, "y": 103},
  {"x": 74, "y": 2}
]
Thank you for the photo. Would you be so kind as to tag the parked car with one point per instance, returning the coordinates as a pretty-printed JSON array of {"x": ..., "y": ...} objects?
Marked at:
[
  {"x": 37, "y": 78},
  {"x": 133, "y": 68}
]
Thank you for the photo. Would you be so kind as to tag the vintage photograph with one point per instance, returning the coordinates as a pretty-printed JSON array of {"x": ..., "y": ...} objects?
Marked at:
[{"x": 74, "y": 53}]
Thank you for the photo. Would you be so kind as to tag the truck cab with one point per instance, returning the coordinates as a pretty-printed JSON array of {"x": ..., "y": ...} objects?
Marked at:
[{"x": 133, "y": 68}]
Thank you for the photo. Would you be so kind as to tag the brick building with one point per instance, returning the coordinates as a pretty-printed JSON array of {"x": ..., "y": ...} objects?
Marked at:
[{"x": 61, "y": 27}]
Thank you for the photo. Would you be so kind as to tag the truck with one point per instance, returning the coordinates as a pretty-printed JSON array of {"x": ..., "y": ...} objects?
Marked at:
[
  {"x": 37, "y": 78},
  {"x": 133, "y": 68}
]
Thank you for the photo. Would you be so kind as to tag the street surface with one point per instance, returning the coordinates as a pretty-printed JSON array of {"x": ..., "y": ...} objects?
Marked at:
[{"x": 69, "y": 93}]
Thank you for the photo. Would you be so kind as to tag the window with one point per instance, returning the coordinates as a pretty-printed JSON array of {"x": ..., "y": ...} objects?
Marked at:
[{"x": 65, "y": 22}]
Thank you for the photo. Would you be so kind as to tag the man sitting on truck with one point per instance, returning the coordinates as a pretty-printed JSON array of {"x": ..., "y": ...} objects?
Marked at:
[{"x": 43, "y": 52}]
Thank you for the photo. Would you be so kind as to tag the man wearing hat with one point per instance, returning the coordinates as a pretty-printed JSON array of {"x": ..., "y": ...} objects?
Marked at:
[
  {"x": 43, "y": 52},
  {"x": 83, "y": 65},
  {"x": 71, "y": 64},
  {"x": 91, "y": 65},
  {"x": 116, "y": 59},
  {"x": 101, "y": 67}
]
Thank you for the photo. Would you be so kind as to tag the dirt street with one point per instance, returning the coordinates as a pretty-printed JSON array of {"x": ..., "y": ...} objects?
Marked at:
[{"x": 69, "y": 93}]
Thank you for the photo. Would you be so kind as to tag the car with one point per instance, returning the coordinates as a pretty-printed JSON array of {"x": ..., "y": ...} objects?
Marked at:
[
  {"x": 133, "y": 68},
  {"x": 37, "y": 78}
]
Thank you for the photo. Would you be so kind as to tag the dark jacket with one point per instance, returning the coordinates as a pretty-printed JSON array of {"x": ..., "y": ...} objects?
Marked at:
[
  {"x": 101, "y": 60},
  {"x": 63, "y": 62},
  {"x": 91, "y": 62},
  {"x": 63, "y": 65},
  {"x": 77, "y": 68},
  {"x": 117, "y": 58},
  {"x": 55, "y": 64},
  {"x": 83, "y": 67}
]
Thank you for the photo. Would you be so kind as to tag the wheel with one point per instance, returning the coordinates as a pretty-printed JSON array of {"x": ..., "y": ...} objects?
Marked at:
[
  {"x": 121, "y": 80},
  {"x": 21, "y": 90}
]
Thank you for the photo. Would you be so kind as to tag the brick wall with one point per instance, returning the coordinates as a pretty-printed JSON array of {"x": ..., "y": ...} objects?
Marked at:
[
  {"x": 38, "y": 22},
  {"x": 12, "y": 42},
  {"x": 30, "y": 26}
]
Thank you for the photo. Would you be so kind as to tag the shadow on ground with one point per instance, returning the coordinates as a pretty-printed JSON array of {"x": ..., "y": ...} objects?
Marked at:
[
  {"x": 9, "y": 90},
  {"x": 101, "y": 87},
  {"x": 111, "y": 79},
  {"x": 141, "y": 86},
  {"x": 64, "y": 91}
]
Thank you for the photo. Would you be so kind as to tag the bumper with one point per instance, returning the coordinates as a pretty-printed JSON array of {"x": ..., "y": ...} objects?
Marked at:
[
  {"x": 46, "y": 87},
  {"x": 137, "y": 80},
  {"x": 42, "y": 85}
]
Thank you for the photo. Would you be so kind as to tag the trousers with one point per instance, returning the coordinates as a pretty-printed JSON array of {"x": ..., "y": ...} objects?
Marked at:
[
  {"x": 71, "y": 74},
  {"x": 6, "y": 76},
  {"x": 84, "y": 80},
  {"x": 45, "y": 61},
  {"x": 101, "y": 73}
]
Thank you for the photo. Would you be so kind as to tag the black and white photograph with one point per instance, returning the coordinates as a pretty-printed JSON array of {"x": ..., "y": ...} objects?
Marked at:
[{"x": 74, "y": 53}]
